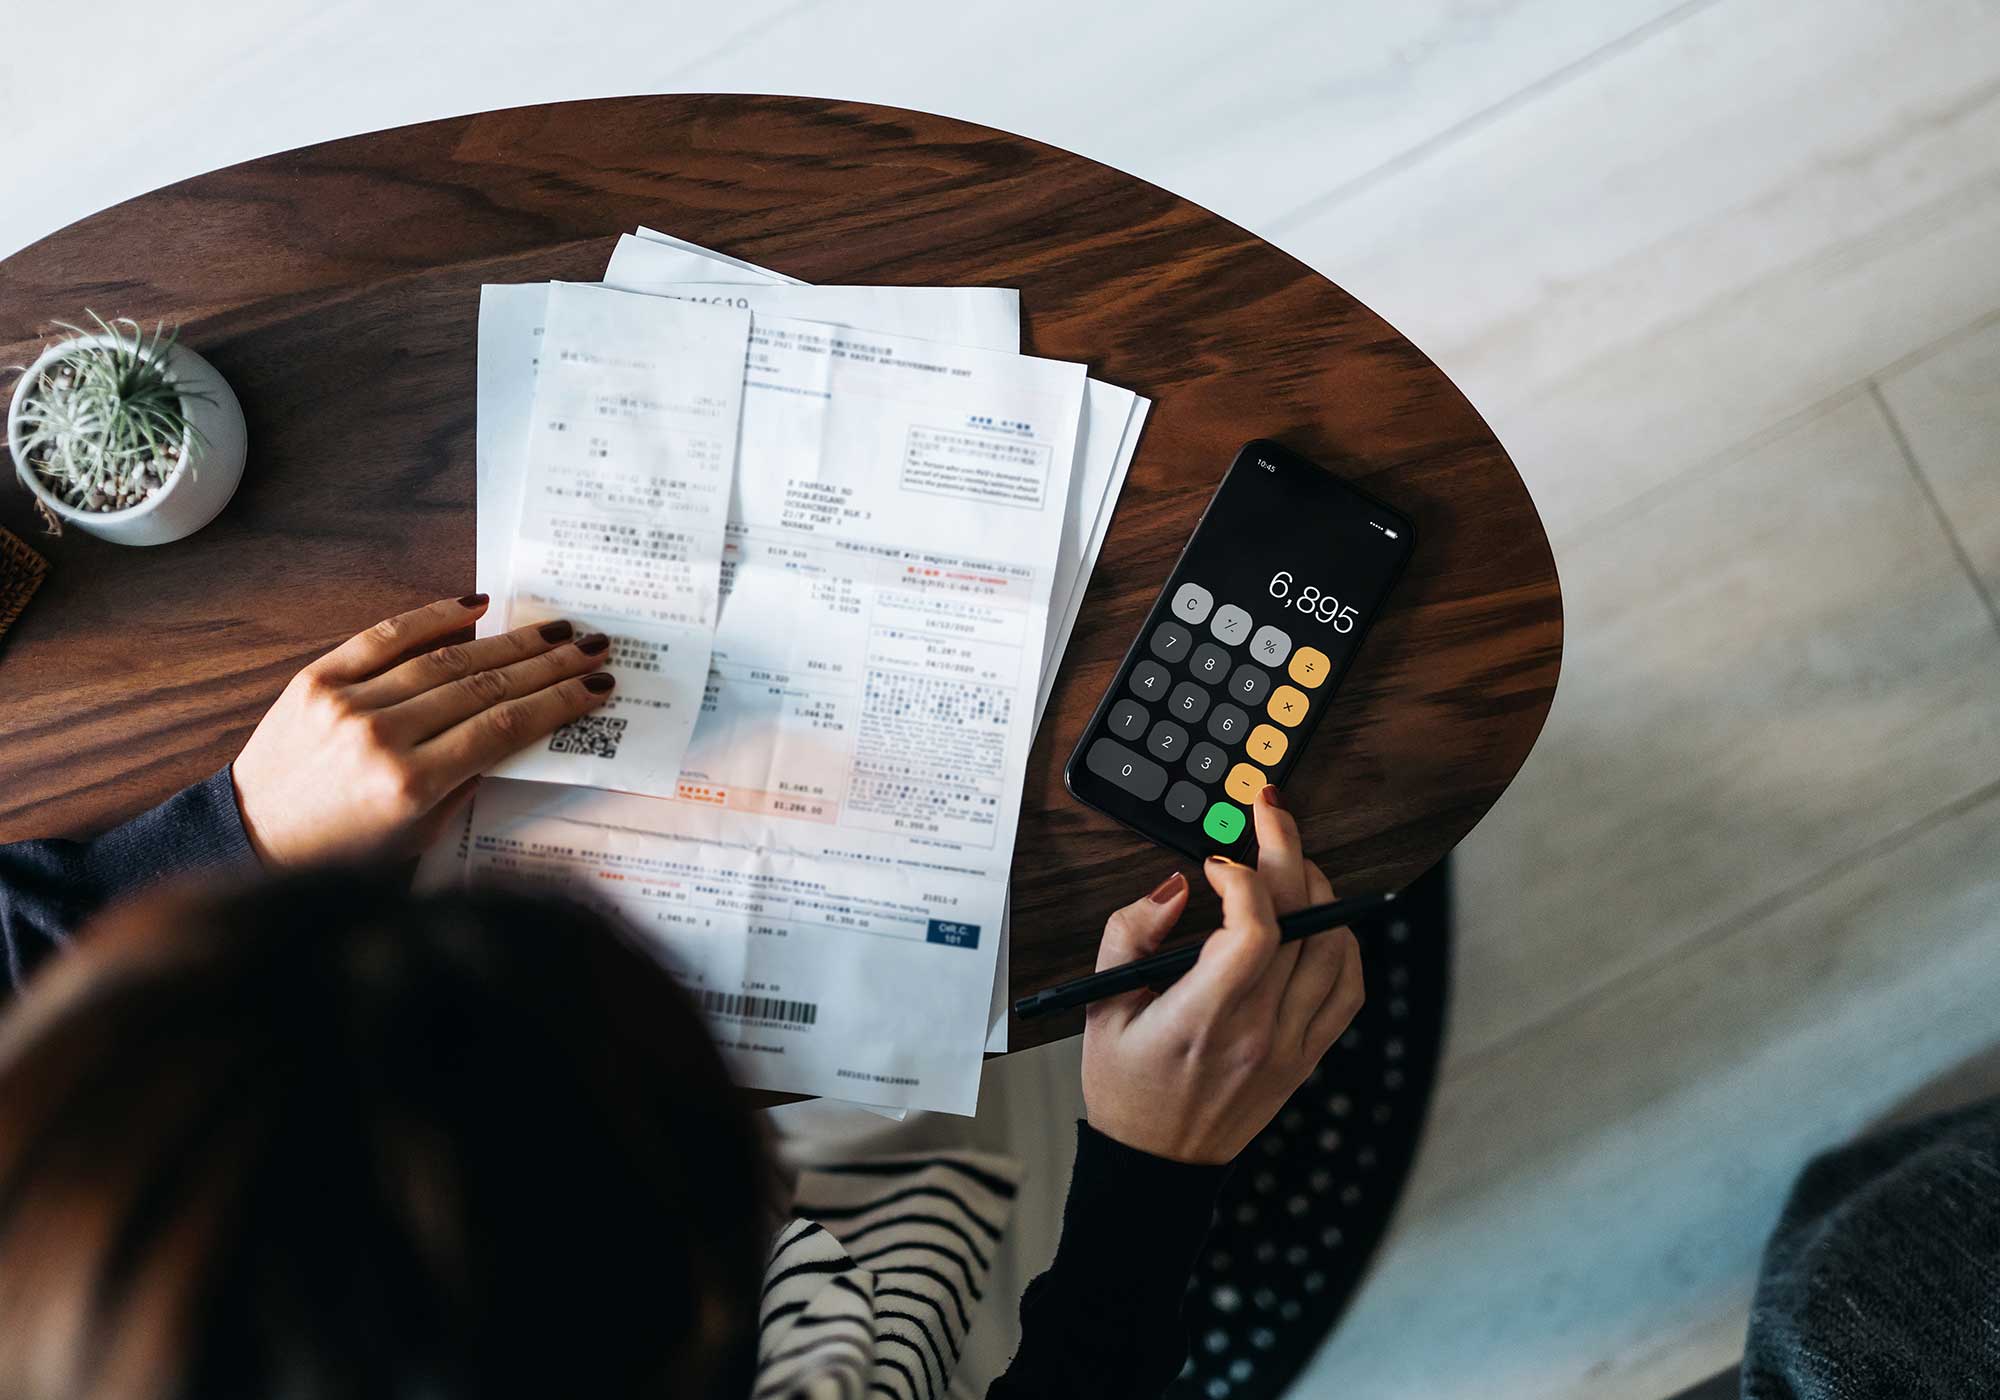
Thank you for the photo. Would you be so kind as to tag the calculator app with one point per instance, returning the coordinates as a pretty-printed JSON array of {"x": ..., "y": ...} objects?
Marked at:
[{"x": 1242, "y": 652}]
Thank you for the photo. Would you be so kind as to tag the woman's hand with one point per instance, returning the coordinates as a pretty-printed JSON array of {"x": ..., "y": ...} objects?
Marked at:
[
  {"x": 1195, "y": 1071},
  {"x": 367, "y": 753}
]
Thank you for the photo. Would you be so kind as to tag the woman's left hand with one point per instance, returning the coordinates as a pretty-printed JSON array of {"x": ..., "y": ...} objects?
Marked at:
[{"x": 366, "y": 753}]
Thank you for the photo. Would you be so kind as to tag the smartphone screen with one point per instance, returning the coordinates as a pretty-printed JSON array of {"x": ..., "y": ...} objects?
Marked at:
[{"x": 1241, "y": 654}]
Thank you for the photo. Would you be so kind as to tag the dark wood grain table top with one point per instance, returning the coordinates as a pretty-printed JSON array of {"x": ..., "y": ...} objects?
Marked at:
[{"x": 337, "y": 287}]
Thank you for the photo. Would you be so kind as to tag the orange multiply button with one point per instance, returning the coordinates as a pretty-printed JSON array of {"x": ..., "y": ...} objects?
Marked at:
[{"x": 1287, "y": 706}]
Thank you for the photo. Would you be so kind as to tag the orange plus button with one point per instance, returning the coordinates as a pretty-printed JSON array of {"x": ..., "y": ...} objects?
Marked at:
[
  {"x": 1287, "y": 706},
  {"x": 1244, "y": 783},
  {"x": 1309, "y": 667},
  {"x": 1267, "y": 745}
]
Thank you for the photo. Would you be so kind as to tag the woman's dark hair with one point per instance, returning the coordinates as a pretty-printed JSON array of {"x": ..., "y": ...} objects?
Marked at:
[{"x": 327, "y": 1138}]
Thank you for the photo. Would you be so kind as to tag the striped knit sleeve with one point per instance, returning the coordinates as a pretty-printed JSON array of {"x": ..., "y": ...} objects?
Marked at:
[{"x": 904, "y": 1243}]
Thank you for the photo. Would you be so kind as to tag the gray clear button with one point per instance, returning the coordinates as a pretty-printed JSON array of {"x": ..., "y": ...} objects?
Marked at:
[
  {"x": 1270, "y": 646},
  {"x": 1192, "y": 602},
  {"x": 1149, "y": 680},
  {"x": 1185, "y": 800},
  {"x": 1128, "y": 719},
  {"x": 1122, "y": 767},
  {"x": 1231, "y": 624},
  {"x": 1171, "y": 641}
]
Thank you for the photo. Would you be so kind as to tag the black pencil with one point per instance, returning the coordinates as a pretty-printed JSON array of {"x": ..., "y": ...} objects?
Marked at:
[{"x": 1164, "y": 967}]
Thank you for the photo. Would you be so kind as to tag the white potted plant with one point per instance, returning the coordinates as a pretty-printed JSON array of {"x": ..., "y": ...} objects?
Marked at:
[{"x": 130, "y": 437}]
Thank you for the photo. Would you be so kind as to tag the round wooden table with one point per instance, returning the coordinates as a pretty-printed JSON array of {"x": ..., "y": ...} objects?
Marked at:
[{"x": 337, "y": 287}]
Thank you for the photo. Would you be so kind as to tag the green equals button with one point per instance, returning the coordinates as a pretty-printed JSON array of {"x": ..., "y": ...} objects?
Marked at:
[{"x": 1223, "y": 823}]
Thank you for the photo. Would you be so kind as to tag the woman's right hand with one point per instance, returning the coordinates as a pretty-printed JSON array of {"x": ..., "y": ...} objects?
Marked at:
[
  {"x": 368, "y": 753},
  {"x": 1194, "y": 1072}
]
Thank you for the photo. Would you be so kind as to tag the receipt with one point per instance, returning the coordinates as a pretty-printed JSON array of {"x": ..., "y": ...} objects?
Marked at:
[
  {"x": 624, "y": 496},
  {"x": 855, "y": 781},
  {"x": 987, "y": 317},
  {"x": 1113, "y": 420},
  {"x": 583, "y": 823}
]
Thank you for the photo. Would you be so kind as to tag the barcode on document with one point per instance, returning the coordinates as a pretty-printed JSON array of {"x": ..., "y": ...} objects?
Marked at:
[{"x": 749, "y": 1008}]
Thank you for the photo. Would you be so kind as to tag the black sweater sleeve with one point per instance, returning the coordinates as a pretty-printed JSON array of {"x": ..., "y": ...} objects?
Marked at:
[
  {"x": 1105, "y": 1320},
  {"x": 49, "y": 888}
]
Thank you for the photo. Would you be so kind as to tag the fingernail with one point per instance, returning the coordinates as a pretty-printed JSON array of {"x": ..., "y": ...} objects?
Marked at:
[
  {"x": 1169, "y": 887},
  {"x": 1220, "y": 860},
  {"x": 473, "y": 600},
  {"x": 597, "y": 682},
  {"x": 556, "y": 631},
  {"x": 593, "y": 644},
  {"x": 1271, "y": 797}
]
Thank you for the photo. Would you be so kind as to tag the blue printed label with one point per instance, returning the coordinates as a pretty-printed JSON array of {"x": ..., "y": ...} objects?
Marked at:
[{"x": 953, "y": 934}]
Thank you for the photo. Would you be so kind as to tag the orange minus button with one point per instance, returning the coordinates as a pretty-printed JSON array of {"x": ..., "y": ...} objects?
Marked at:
[{"x": 1244, "y": 783}]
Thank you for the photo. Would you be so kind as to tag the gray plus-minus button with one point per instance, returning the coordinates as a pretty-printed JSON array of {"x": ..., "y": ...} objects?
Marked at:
[{"x": 1230, "y": 623}]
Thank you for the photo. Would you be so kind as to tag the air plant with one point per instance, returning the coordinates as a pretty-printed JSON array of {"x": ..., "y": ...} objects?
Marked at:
[{"x": 107, "y": 427}]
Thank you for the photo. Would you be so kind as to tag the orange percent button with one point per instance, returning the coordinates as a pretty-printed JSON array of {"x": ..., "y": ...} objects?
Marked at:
[
  {"x": 1244, "y": 783},
  {"x": 1309, "y": 667},
  {"x": 1267, "y": 745},
  {"x": 1287, "y": 706}
]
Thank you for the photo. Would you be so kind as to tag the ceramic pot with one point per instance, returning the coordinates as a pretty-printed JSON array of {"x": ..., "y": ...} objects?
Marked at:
[{"x": 211, "y": 460}]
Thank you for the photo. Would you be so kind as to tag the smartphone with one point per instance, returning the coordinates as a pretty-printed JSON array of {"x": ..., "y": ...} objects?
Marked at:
[{"x": 1241, "y": 653}]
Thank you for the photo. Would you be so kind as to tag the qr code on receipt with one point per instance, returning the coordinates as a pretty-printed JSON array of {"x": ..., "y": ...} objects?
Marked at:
[{"x": 595, "y": 736}]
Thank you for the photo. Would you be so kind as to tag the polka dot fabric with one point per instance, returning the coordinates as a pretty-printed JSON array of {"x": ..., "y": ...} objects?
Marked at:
[{"x": 1308, "y": 1202}]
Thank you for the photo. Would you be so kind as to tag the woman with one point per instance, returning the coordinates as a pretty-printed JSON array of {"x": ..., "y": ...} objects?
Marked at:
[{"x": 322, "y": 1137}]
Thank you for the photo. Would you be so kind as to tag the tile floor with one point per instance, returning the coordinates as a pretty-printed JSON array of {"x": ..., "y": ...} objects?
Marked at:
[{"x": 1722, "y": 275}]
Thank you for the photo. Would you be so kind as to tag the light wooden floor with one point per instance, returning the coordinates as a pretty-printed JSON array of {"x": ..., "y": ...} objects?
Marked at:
[{"x": 1725, "y": 277}]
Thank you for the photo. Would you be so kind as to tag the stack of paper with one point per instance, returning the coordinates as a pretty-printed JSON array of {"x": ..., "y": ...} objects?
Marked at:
[{"x": 839, "y": 536}]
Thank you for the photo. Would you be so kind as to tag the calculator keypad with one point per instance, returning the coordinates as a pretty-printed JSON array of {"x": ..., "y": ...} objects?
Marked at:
[{"x": 1209, "y": 713}]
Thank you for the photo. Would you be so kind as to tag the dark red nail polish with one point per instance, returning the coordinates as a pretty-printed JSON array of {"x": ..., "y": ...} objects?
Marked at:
[
  {"x": 1169, "y": 887},
  {"x": 1271, "y": 797},
  {"x": 593, "y": 644},
  {"x": 473, "y": 600},
  {"x": 556, "y": 631},
  {"x": 597, "y": 682}
]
